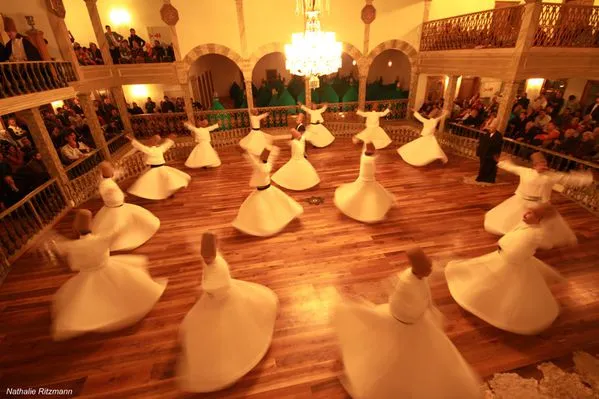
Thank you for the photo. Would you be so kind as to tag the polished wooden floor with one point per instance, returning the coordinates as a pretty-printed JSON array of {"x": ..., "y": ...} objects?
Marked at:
[{"x": 307, "y": 265}]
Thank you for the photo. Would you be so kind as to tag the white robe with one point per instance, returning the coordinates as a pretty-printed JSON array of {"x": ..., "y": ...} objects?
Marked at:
[
  {"x": 534, "y": 189},
  {"x": 508, "y": 288},
  {"x": 316, "y": 133},
  {"x": 256, "y": 140},
  {"x": 365, "y": 199},
  {"x": 424, "y": 149},
  {"x": 265, "y": 212},
  {"x": 108, "y": 293},
  {"x": 298, "y": 173},
  {"x": 227, "y": 332},
  {"x": 203, "y": 155},
  {"x": 373, "y": 132},
  {"x": 399, "y": 350},
  {"x": 159, "y": 182},
  {"x": 133, "y": 224}
]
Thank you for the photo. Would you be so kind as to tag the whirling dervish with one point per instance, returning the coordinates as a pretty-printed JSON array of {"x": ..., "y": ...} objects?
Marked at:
[
  {"x": 202, "y": 155},
  {"x": 536, "y": 185},
  {"x": 365, "y": 199},
  {"x": 508, "y": 287},
  {"x": 298, "y": 173},
  {"x": 256, "y": 140},
  {"x": 424, "y": 149},
  {"x": 160, "y": 181},
  {"x": 374, "y": 132},
  {"x": 267, "y": 210},
  {"x": 399, "y": 349},
  {"x": 109, "y": 293},
  {"x": 229, "y": 329},
  {"x": 317, "y": 135},
  {"x": 132, "y": 224}
]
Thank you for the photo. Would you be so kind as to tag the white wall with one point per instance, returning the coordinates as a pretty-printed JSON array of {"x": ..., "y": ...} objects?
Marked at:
[
  {"x": 575, "y": 87},
  {"x": 400, "y": 67},
  {"x": 270, "y": 61},
  {"x": 449, "y": 8},
  {"x": 18, "y": 9},
  {"x": 224, "y": 72},
  {"x": 489, "y": 87},
  {"x": 396, "y": 19},
  {"x": 139, "y": 93}
]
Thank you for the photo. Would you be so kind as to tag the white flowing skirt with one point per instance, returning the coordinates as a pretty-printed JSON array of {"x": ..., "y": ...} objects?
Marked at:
[
  {"x": 226, "y": 337},
  {"x": 505, "y": 216},
  {"x": 319, "y": 136},
  {"x": 134, "y": 225},
  {"x": 255, "y": 142},
  {"x": 386, "y": 359},
  {"x": 510, "y": 296},
  {"x": 422, "y": 151},
  {"x": 159, "y": 183},
  {"x": 106, "y": 299},
  {"x": 376, "y": 135},
  {"x": 203, "y": 155},
  {"x": 266, "y": 212},
  {"x": 296, "y": 174},
  {"x": 365, "y": 201}
]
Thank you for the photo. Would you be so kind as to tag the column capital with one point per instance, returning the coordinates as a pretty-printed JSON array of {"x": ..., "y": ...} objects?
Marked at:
[{"x": 91, "y": 1}]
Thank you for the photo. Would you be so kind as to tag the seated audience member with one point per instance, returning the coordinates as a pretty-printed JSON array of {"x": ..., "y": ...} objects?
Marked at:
[
  {"x": 556, "y": 103},
  {"x": 572, "y": 104},
  {"x": 137, "y": 54},
  {"x": 158, "y": 52},
  {"x": 516, "y": 126},
  {"x": 32, "y": 174},
  {"x": 587, "y": 123},
  {"x": 6, "y": 138},
  {"x": 15, "y": 157},
  {"x": 569, "y": 143},
  {"x": 548, "y": 136},
  {"x": 523, "y": 101},
  {"x": 28, "y": 150},
  {"x": 167, "y": 105},
  {"x": 125, "y": 53},
  {"x": 542, "y": 118},
  {"x": 96, "y": 54},
  {"x": 17, "y": 132},
  {"x": 593, "y": 110},
  {"x": 528, "y": 134},
  {"x": 150, "y": 106},
  {"x": 473, "y": 118},
  {"x": 490, "y": 124},
  {"x": 564, "y": 118},
  {"x": 136, "y": 109},
  {"x": 586, "y": 150},
  {"x": 73, "y": 150}
]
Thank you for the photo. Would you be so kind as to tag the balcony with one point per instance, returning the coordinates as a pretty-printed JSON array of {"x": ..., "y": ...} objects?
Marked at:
[{"x": 565, "y": 42}]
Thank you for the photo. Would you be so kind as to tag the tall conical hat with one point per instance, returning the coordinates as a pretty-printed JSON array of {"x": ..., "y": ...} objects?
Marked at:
[
  {"x": 106, "y": 169},
  {"x": 264, "y": 155},
  {"x": 208, "y": 250},
  {"x": 83, "y": 221}
]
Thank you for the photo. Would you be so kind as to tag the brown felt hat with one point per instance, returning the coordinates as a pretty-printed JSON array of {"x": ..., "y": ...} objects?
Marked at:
[
  {"x": 421, "y": 264},
  {"x": 107, "y": 169},
  {"x": 264, "y": 155},
  {"x": 369, "y": 149},
  {"x": 208, "y": 249},
  {"x": 83, "y": 220}
]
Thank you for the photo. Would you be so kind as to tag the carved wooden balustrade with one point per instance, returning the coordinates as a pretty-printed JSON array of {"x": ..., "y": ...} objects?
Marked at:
[
  {"x": 278, "y": 116},
  {"x": 117, "y": 143},
  {"x": 399, "y": 108},
  {"x": 147, "y": 125},
  {"x": 497, "y": 28},
  {"x": 565, "y": 25},
  {"x": 84, "y": 165},
  {"x": 17, "y": 78},
  {"x": 463, "y": 140},
  {"x": 228, "y": 118}
]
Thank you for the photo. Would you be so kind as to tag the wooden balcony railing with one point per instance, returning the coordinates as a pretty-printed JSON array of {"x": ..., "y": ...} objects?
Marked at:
[
  {"x": 17, "y": 78},
  {"x": 84, "y": 165},
  {"x": 496, "y": 28},
  {"x": 30, "y": 216},
  {"x": 228, "y": 119},
  {"x": 147, "y": 125},
  {"x": 565, "y": 25},
  {"x": 116, "y": 143}
]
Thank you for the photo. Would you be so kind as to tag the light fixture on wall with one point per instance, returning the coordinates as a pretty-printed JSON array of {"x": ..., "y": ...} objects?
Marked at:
[
  {"x": 389, "y": 64},
  {"x": 139, "y": 91},
  {"x": 57, "y": 104},
  {"x": 120, "y": 16},
  {"x": 354, "y": 63},
  {"x": 313, "y": 53}
]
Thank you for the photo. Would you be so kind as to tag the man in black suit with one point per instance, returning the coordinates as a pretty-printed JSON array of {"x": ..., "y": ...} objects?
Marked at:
[
  {"x": 593, "y": 110},
  {"x": 19, "y": 48},
  {"x": 488, "y": 151}
]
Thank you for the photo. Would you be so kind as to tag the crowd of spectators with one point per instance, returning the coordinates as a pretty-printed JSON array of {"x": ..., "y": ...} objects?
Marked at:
[
  {"x": 166, "y": 105},
  {"x": 549, "y": 121},
  {"x": 135, "y": 50}
]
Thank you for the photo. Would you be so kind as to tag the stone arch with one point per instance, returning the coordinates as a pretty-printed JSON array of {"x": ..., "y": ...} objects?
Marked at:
[
  {"x": 394, "y": 44},
  {"x": 213, "y": 48}
]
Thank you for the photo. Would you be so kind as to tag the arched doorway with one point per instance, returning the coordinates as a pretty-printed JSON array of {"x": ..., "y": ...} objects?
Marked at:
[
  {"x": 275, "y": 85},
  {"x": 389, "y": 76},
  {"x": 216, "y": 83}
]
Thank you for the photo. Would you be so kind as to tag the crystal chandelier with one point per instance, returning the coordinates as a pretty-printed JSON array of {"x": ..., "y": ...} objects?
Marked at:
[{"x": 313, "y": 53}]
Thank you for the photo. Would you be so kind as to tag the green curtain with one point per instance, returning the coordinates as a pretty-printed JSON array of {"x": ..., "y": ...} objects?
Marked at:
[
  {"x": 285, "y": 100},
  {"x": 223, "y": 118},
  {"x": 263, "y": 97},
  {"x": 328, "y": 94}
]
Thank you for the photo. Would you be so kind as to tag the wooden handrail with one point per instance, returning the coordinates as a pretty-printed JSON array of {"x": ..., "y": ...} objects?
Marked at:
[
  {"x": 26, "y": 198},
  {"x": 471, "y": 14}
]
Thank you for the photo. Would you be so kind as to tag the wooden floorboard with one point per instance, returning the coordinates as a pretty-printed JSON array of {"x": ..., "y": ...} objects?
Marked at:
[{"x": 308, "y": 265}]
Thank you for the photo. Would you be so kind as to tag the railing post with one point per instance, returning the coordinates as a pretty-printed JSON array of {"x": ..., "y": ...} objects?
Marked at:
[
  {"x": 61, "y": 33},
  {"x": 45, "y": 147},
  {"x": 508, "y": 95},
  {"x": 414, "y": 76},
  {"x": 448, "y": 99},
  {"x": 94, "y": 124},
  {"x": 119, "y": 98},
  {"x": 308, "y": 91},
  {"x": 188, "y": 104},
  {"x": 362, "y": 92},
  {"x": 94, "y": 16},
  {"x": 249, "y": 94}
]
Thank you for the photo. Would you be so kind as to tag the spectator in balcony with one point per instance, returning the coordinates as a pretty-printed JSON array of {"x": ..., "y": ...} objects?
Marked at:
[
  {"x": 556, "y": 103},
  {"x": 57, "y": 137},
  {"x": 158, "y": 52},
  {"x": 75, "y": 105},
  {"x": 115, "y": 117},
  {"x": 6, "y": 139},
  {"x": 95, "y": 54},
  {"x": 473, "y": 118},
  {"x": 490, "y": 123},
  {"x": 523, "y": 101},
  {"x": 179, "y": 105},
  {"x": 28, "y": 150},
  {"x": 114, "y": 41},
  {"x": 32, "y": 175},
  {"x": 547, "y": 138},
  {"x": 564, "y": 118},
  {"x": 587, "y": 123},
  {"x": 540, "y": 102},
  {"x": 138, "y": 54},
  {"x": 136, "y": 109},
  {"x": 517, "y": 125},
  {"x": 19, "y": 48},
  {"x": 586, "y": 150},
  {"x": 9, "y": 191},
  {"x": 570, "y": 142},
  {"x": 133, "y": 38},
  {"x": 150, "y": 106},
  {"x": 125, "y": 53},
  {"x": 572, "y": 104},
  {"x": 82, "y": 56},
  {"x": 167, "y": 105},
  {"x": 17, "y": 133},
  {"x": 542, "y": 119},
  {"x": 106, "y": 108},
  {"x": 15, "y": 157},
  {"x": 73, "y": 150},
  {"x": 593, "y": 110}
]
